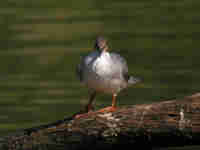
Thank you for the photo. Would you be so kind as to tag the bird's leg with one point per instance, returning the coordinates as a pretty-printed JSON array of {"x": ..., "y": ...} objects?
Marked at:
[
  {"x": 114, "y": 101},
  {"x": 112, "y": 107},
  {"x": 88, "y": 108}
]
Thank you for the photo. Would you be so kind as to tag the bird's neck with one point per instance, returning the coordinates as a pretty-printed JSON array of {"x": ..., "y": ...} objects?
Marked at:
[
  {"x": 104, "y": 49},
  {"x": 105, "y": 54}
]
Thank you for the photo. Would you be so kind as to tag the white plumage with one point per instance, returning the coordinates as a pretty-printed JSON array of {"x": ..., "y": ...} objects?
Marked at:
[{"x": 102, "y": 71}]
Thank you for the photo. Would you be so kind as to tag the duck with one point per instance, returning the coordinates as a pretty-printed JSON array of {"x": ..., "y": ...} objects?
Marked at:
[{"x": 102, "y": 71}]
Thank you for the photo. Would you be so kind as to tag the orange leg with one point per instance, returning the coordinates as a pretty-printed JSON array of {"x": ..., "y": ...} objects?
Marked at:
[
  {"x": 112, "y": 107},
  {"x": 88, "y": 108}
]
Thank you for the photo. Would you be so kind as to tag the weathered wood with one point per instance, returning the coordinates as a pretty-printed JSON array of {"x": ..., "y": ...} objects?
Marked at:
[{"x": 168, "y": 123}]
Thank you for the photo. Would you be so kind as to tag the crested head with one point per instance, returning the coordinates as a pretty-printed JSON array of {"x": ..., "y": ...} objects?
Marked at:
[{"x": 101, "y": 44}]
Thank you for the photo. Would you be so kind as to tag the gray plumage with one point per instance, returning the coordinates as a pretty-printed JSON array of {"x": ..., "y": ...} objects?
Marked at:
[{"x": 103, "y": 71}]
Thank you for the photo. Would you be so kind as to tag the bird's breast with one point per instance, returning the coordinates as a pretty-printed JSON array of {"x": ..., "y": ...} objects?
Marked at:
[{"x": 103, "y": 65}]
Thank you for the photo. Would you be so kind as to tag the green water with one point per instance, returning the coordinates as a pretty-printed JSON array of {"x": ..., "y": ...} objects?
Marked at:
[{"x": 41, "y": 43}]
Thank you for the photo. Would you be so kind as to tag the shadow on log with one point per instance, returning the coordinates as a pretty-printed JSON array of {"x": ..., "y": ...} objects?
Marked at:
[{"x": 164, "y": 124}]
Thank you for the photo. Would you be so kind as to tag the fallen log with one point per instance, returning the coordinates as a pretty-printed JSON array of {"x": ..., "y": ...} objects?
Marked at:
[{"x": 163, "y": 124}]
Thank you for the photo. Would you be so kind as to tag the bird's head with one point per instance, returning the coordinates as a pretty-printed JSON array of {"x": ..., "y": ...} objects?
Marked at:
[{"x": 101, "y": 44}]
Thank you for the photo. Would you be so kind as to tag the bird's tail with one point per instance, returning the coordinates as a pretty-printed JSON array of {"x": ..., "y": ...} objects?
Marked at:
[{"x": 133, "y": 80}]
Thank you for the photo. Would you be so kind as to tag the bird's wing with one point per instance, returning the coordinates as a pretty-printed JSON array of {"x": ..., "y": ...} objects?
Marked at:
[
  {"x": 79, "y": 68},
  {"x": 85, "y": 63},
  {"x": 121, "y": 64}
]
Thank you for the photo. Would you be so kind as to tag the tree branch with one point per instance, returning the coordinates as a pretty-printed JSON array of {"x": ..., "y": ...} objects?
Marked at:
[{"x": 172, "y": 123}]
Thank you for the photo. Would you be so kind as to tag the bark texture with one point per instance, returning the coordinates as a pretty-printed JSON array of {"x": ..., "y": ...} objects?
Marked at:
[{"x": 163, "y": 124}]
